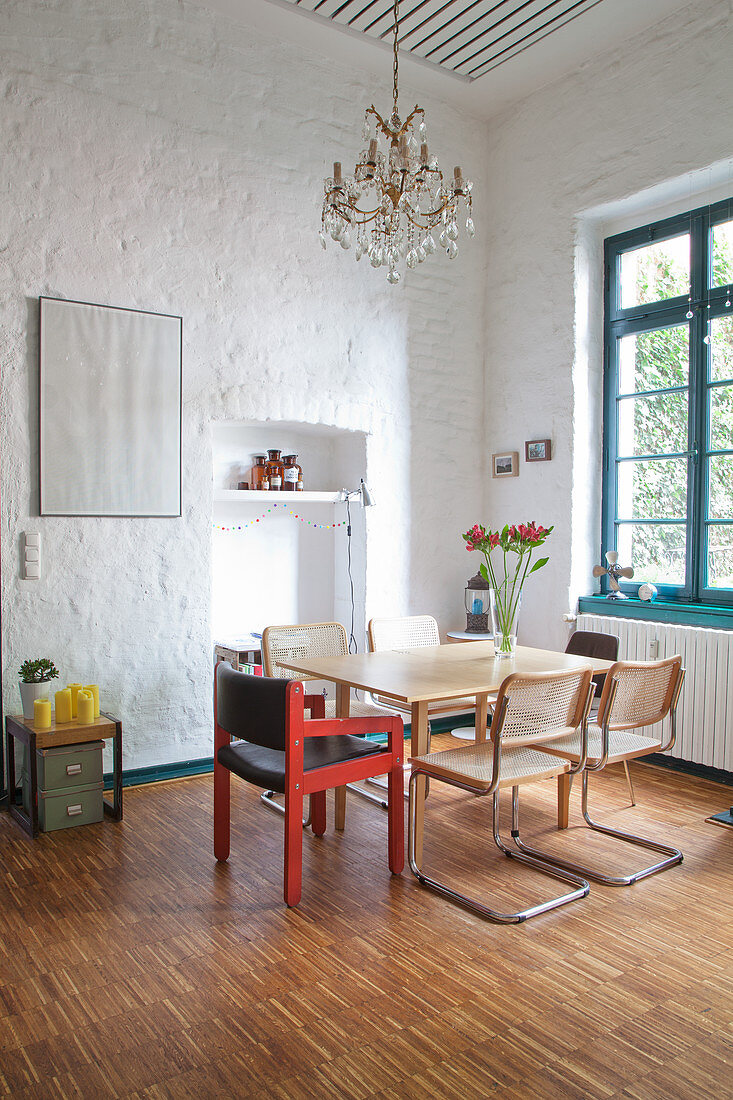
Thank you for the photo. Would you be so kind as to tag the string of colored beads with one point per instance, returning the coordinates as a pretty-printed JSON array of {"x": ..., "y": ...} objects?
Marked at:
[{"x": 290, "y": 512}]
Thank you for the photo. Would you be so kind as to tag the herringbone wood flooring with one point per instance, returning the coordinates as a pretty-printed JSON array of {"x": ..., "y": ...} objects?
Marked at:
[{"x": 131, "y": 965}]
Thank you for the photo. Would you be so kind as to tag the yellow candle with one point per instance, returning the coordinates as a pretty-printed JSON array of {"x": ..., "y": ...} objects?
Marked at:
[
  {"x": 63, "y": 705},
  {"x": 42, "y": 714},
  {"x": 74, "y": 689},
  {"x": 94, "y": 688},
  {"x": 85, "y": 707}
]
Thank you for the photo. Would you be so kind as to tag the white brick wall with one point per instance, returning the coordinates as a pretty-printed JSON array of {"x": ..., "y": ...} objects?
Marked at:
[
  {"x": 155, "y": 157},
  {"x": 643, "y": 118}
]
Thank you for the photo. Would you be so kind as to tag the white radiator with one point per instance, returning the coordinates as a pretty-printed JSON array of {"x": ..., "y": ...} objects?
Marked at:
[{"x": 705, "y": 712}]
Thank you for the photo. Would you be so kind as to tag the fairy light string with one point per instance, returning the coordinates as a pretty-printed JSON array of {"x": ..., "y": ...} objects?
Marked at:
[{"x": 258, "y": 519}]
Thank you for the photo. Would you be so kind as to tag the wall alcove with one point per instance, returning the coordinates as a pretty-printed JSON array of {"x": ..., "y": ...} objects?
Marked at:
[{"x": 284, "y": 557}]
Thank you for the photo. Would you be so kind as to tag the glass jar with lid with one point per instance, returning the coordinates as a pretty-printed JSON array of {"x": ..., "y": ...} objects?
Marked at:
[
  {"x": 292, "y": 474},
  {"x": 275, "y": 470},
  {"x": 259, "y": 478}
]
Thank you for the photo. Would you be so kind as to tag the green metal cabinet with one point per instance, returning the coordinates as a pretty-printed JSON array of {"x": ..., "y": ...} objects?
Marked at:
[{"x": 69, "y": 785}]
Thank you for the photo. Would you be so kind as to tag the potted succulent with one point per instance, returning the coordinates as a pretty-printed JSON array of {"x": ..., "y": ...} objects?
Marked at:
[{"x": 34, "y": 675}]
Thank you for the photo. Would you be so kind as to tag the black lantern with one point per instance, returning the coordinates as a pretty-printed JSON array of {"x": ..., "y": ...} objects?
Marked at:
[{"x": 476, "y": 600}]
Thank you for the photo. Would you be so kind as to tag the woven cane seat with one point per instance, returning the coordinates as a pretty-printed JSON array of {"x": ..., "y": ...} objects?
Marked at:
[
  {"x": 473, "y": 765},
  {"x": 623, "y": 745}
]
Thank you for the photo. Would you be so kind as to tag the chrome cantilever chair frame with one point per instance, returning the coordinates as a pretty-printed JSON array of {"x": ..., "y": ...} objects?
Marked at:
[
  {"x": 605, "y": 713},
  {"x": 596, "y": 643},
  {"x": 485, "y": 762}
]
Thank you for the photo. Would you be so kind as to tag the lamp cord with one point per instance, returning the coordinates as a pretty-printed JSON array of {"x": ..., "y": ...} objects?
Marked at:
[{"x": 352, "y": 639}]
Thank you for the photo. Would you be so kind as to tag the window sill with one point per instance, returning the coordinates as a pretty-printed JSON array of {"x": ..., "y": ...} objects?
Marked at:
[{"x": 659, "y": 611}]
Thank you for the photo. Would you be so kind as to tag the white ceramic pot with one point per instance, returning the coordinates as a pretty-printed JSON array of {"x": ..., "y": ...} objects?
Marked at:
[{"x": 31, "y": 692}]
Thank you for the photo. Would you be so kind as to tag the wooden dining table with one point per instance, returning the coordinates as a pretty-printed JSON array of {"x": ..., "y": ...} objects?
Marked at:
[{"x": 416, "y": 677}]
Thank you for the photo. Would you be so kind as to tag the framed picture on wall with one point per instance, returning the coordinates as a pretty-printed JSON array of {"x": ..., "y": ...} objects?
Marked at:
[
  {"x": 538, "y": 450},
  {"x": 505, "y": 465},
  {"x": 110, "y": 410}
]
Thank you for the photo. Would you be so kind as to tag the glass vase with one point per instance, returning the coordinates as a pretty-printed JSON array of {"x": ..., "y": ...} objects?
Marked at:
[{"x": 504, "y": 620}]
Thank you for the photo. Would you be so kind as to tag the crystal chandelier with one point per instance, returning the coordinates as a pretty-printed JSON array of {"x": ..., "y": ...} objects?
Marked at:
[{"x": 396, "y": 199}]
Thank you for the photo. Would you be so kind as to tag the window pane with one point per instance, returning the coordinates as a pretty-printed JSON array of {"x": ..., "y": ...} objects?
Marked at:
[
  {"x": 652, "y": 490},
  {"x": 721, "y": 348},
  {"x": 722, "y": 254},
  {"x": 720, "y": 556},
  {"x": 652, "y": 425},
  {"x": 720, "y": 505},
  {"x": 655, "y": 272},
  {"x": 721, "y": 418},
  {"x": 656, "y": 552},
  {"x": 655, "y": 360}
]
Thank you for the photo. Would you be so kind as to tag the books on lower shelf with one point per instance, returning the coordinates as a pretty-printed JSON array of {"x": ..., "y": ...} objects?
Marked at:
[{"x": 242, "y": 653}]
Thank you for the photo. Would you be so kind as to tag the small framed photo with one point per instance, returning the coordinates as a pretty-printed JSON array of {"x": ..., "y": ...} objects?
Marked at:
[
  {"x": 538, "y": 450},
  {"x": 505, "y": 465}
]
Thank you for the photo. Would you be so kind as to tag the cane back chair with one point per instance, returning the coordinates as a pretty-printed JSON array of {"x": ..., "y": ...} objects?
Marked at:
[
  {"x": 413, "y": 632},
  {"x": 277, "y": 749},
  {"x": 529, "y": 710},
  {"x": 300, "y": 640},
  {"x": 634, "y": 696}
]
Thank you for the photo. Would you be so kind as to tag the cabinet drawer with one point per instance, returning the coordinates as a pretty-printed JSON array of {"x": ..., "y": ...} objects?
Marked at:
[
  {"x": 69, "y": 807},
  {"x": 67, "y": 766}
]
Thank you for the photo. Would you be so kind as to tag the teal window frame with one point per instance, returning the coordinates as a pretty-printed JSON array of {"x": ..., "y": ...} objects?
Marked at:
[{"x": 705, "y": 303}]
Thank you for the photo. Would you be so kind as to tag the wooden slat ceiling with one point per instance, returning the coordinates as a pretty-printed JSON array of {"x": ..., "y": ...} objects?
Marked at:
[{"x": 467, "y": 37}]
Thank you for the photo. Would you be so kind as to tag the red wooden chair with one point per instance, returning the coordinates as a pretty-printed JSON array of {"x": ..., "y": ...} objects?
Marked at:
[{"x": 277, "y": 749}]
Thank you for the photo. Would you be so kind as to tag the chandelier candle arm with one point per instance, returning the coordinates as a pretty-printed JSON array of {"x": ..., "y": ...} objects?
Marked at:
[{"x": 399, "y": 194}]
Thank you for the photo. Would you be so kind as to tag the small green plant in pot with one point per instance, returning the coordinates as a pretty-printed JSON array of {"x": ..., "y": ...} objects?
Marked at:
[{"x": 34, "y": 675}]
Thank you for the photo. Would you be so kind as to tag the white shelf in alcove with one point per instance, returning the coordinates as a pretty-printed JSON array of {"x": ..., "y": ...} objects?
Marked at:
[{"x": 258, "y": 497}]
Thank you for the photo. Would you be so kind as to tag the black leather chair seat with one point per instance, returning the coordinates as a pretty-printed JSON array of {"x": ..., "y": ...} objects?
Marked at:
[{"x": 266, "y": 767}]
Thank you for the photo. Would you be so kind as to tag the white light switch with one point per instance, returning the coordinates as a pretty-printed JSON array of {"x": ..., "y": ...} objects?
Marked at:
[{"x": 31, "y": 555}]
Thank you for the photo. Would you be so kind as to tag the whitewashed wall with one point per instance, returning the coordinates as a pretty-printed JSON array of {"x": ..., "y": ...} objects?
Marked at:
[
  {"x": 628, "y": 131},
  {"x": 156, "y": 157}
]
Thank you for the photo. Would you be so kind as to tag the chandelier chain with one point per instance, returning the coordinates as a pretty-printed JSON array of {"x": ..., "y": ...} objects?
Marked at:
[{"x": 396, "y": 63}]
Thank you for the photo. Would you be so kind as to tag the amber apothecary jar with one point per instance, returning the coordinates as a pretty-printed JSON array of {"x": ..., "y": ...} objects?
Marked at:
[
  {"x": 275, "y": 470},
  {"x": 259, "y": 473},
  {"x": 292, "y": 474}
]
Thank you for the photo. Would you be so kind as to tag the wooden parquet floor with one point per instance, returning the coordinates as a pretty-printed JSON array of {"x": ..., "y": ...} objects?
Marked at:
[{"x": 131, "y": 965}]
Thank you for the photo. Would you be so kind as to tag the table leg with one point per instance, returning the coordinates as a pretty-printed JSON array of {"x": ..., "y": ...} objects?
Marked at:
[
  {"x": 482, "y": 714},
  {"x": 27, "y": 821},
  {"x": 115, "y": 810},
  {"x": 33, "y": 792},
  {"x": 418, "y": 747},
  {"x": 343, "y": 703},
  {"x": 563, "y": 800},
  {"x": 8, "y": 746}
]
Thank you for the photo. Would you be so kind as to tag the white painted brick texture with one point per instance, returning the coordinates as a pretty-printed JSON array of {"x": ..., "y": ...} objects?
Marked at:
[
  {"x": 626, "y": 121},
  {"x": 160, "y": 158}
]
